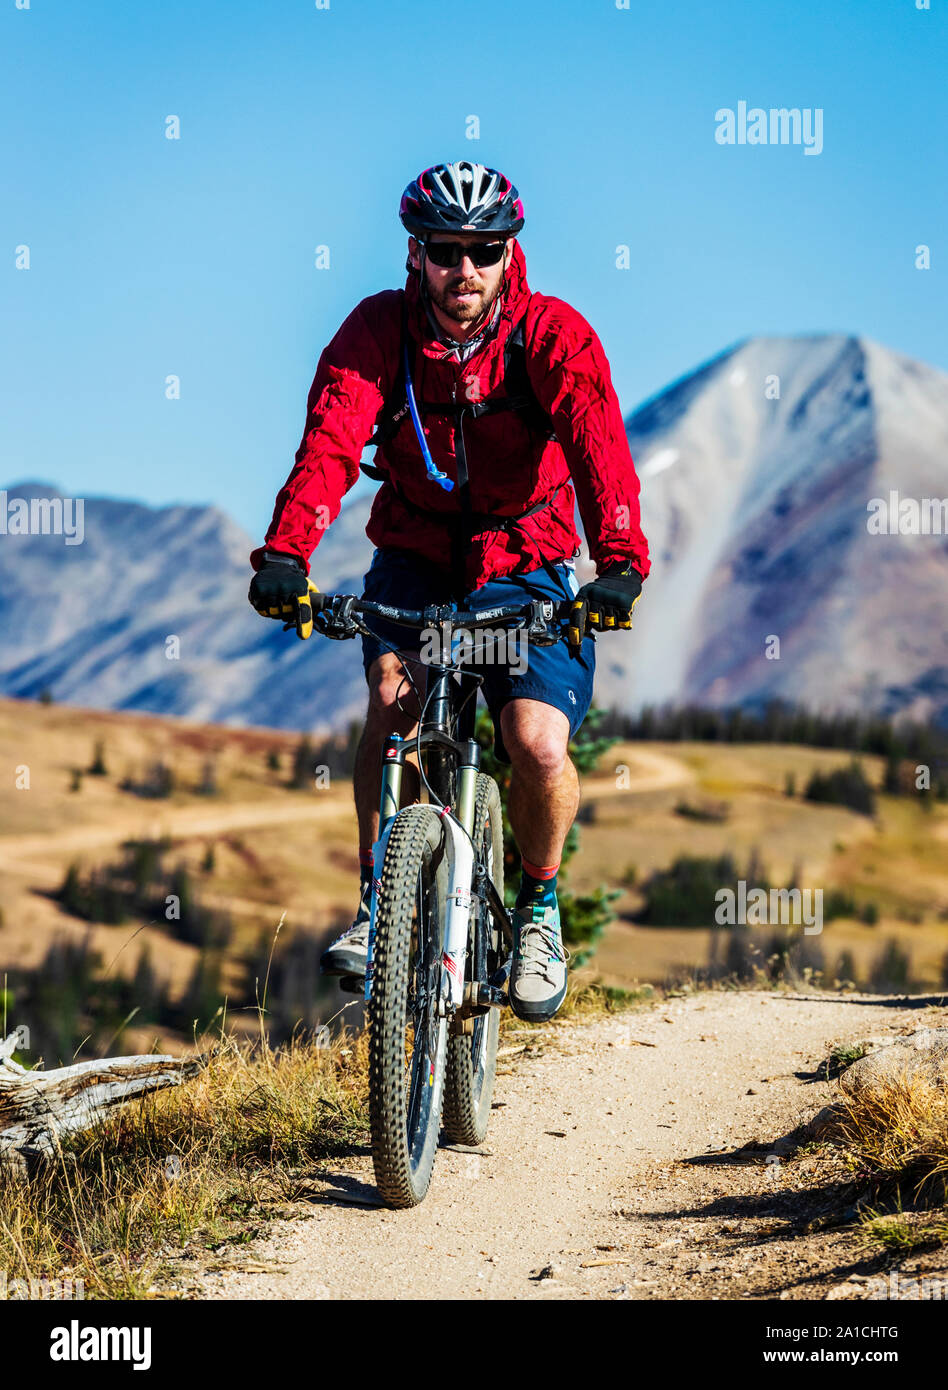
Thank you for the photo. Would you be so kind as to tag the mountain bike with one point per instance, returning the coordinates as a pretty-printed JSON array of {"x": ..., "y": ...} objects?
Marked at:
[{"x": 440, "y": 937}]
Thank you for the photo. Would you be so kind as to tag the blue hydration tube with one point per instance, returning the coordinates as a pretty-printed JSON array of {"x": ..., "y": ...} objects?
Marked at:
[{"x": 434, "y": 473}]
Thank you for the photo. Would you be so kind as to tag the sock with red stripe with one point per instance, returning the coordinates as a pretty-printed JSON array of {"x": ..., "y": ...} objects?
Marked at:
[
  {"x": 365, "y": 868},
  {"x": 537, "y": 884}
]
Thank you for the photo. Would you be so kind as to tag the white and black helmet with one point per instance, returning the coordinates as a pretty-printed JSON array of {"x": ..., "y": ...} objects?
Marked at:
[{"x": 461, "y": 197}]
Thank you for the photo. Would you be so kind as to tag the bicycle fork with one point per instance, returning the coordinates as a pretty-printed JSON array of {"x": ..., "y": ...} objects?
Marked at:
[{"x": 459, "y": 831}]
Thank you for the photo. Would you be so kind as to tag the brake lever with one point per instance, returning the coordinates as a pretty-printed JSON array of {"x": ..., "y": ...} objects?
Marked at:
[
  {"x": 328, "y": 614},
  {"x": 337, "y": 620}
]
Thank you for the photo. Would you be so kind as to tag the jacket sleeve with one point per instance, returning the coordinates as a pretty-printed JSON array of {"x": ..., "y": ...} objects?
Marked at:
[
  {"x": 344, "y": 403},
  {"x": 570, "y": 374}
]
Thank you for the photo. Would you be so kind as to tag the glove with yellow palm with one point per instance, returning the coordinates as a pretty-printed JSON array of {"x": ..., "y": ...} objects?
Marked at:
[
  {"x": 280, "y": 589},
  {"x": 605, "y": 604}
]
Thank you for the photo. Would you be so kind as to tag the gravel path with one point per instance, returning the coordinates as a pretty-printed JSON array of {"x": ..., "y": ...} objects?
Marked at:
[{"x": 609, "y": 1172}]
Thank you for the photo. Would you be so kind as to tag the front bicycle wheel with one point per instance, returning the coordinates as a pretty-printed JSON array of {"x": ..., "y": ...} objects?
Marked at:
[
  {"x": 472, "y": 1056},
  {"x": 407, "y": 1035}
]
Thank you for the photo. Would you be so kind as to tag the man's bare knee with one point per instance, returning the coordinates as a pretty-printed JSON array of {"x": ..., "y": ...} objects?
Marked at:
[
  {"x": 541, "y": 757},
  {"x": 537, "y": 748},
  {"x": 391, "y": 698}
]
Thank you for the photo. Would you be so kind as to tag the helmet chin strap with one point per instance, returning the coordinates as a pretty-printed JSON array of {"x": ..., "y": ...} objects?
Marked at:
[{"x": 422, "y": 254}]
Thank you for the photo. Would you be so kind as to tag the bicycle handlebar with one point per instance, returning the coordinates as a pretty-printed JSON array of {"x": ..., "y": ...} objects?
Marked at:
[
  {"x": 339, "y": 616},
  {"x": 438, "y": 613}
]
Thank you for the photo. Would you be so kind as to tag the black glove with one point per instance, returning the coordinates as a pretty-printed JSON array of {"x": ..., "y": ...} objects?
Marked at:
[
  {"x": 605, "y": 603},
  {"x": 280, "y": 589}
]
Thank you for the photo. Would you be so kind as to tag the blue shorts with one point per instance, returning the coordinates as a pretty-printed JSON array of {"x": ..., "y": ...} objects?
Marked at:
[{"x": 551, "y": 674}]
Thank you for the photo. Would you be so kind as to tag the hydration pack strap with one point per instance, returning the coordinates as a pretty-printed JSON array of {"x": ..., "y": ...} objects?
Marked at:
[
  {"x": 518, "y": 395},
  {"x": 518, "y": 392}
]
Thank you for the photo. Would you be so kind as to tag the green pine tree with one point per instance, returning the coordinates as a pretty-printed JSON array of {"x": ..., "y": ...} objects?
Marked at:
[
  {"x": 97, "y": 767},
  {"x": 892, "y": 778},
  {"x": 304, "y": 762}
]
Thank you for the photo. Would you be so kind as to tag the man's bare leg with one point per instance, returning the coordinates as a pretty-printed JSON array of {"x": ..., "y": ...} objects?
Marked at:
[
  {"x": 388, "y": 683},
  {"x": 542, "y": 805},
  {"x": 544, "y": 787},
  {"x": 389, "y": 688}
]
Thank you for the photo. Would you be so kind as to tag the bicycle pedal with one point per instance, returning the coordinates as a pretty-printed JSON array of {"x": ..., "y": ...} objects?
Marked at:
[
  {"x": 352, "y": 984},
  {"x": 492, "y": 996}
]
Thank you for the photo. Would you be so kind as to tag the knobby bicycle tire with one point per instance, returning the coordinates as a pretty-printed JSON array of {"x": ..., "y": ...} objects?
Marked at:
[
  {"x": 472, "y": 1058},
  {"x": 405, "y": 1100}
]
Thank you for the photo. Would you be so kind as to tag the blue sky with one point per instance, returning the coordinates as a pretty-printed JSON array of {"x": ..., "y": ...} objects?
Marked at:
[{"x": 300, "y": 126}]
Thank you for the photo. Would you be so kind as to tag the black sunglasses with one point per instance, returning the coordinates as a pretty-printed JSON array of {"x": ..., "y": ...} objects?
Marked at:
[{"x": 447, "y": 254}]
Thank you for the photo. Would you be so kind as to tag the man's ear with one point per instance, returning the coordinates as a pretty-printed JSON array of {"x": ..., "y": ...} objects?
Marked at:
[{"x": 414, "y": 254}]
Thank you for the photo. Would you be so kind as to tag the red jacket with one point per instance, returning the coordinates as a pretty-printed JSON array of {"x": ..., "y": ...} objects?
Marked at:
[{"x": 509, "y": 466}]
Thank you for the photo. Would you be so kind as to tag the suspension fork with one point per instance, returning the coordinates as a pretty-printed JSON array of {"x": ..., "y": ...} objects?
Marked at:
[
  {"x": 459, "y": 833},
  {"x": 393, "y": 763},
  {"x": 458, "y": 826},
  {"x": 458, "y": 822}
]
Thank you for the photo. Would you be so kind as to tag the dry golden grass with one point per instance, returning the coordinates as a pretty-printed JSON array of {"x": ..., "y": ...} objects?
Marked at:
[
  {"x": 192, "y": 1164},
  {"x": 897, "y": 1129}
]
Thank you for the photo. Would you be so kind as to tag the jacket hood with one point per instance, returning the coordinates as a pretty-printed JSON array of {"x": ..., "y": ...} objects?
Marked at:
[{"x": 515, "y": 297}]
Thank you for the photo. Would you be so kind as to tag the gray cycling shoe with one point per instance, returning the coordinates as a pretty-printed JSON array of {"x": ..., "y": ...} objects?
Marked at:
[
  {"x": 538, "y": 975},
  {"x": 347, "y": 954}
]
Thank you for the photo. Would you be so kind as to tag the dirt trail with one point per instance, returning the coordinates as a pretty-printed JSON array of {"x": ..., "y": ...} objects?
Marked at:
[
  {"x": 648, "y": 771},
  {"x": 590, "y": 1168},
  {"x": 32, "y": 853}
]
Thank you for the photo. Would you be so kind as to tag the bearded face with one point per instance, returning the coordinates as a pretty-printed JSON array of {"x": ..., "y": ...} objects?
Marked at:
[
  {"x": 465, "y": 293},
  {"x": 465, "y": 298}
]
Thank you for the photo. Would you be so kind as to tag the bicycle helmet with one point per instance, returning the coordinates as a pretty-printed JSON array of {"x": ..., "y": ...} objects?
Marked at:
[{"x": 461, "y": 197}]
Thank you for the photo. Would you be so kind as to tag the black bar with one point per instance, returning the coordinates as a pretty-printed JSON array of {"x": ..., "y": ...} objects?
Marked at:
[{"x": 415, "y": 617}]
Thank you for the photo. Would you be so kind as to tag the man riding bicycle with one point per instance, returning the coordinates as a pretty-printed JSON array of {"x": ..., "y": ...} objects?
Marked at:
[{"x": 494, "y": 413}]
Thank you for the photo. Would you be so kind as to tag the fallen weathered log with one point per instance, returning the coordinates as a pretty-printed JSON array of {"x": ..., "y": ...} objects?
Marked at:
[{"x": 38, "y": 1107}]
